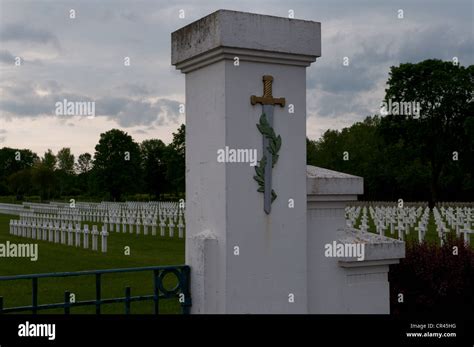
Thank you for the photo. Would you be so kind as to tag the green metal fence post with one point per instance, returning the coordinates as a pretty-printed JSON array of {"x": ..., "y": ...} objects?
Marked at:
[
  {"x": 67, "y": 302},
  {"x": 156, "y": 291},
  {"x": 186, "y": 290},
  {"x": 34, "y": 293},
  {"x": 97, "y": 293},
  {"x": 127, "y": 300}
]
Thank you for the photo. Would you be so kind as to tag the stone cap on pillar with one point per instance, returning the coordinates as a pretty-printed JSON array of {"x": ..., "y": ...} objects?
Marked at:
[
  {"x": 227, "y": 34},
  {"x": 326, "y": 182},
  {"x": 379, "y": 250}
]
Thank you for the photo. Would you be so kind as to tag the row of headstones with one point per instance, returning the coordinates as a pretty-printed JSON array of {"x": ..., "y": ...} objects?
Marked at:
[
  {"x": 167, "y": 223},
  {"x": 459, "y": 221},
  {"x": 403, "y": 219},
  {"x": 10, "y": 209},
  {"x": 38, "y": 217},
  {"x": 115, "y": 217},
  {"x": 393, "y": 219},
  {"x": 60, "y": 233},
  {"x": 96, "y": 212},
  {"x": 149, "y": 224},
  {"x": 112, "y": 218}
]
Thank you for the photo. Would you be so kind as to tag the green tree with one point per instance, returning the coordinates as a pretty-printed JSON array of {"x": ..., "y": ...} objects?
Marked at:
[
  {"x": 84, "y": 163},
  {"x": 176, "y": 161},
  {"x": 44, "y": 180},
  {"x": 65, "y": 160},
  {"x": 20, "y": 183},
  {"x": 49, "y": 160},
  {"x": 153, "y": 154},
  {"x": 13, "y": 160},
  {"x": 311, "y": 152},
  {"x": 445, "y": 93},
  {"x": 117, "y": 164}
]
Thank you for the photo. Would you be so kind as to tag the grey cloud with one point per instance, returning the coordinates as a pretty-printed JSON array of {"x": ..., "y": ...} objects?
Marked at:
[
  {"x": 52, "y": 86},
  {"x": 111, "y": 13},
  {"x": 28, "y": 106},
  {"x": 6, "y": 57},
  {"x": 110, "y": 105},
  {"x": 342, "y": 79},
  {"x": 337, "y": 105},
  {"x": 135, "y": 89},
  {"x": 129, "y": 112},
  {"x": 22, "y": 101},
  {"x": 170, "y": 108},
  {"x": 378, "y": 54},
  {"x": 22, "y": 32},
  {"x": 130, "y": 16},
  {"x": 363, "y": 72},
  {"x": 125, "y": 111},
  {"x": 441, "y": 42},
  {"x": 345, "y": 88}
]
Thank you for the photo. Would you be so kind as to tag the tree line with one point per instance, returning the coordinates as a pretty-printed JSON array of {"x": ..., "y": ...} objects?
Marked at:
[{"x": 119, "y": 169}]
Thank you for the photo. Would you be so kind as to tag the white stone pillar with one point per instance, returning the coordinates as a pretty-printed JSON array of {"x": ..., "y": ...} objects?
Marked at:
[{"x": 259, "y": 260}]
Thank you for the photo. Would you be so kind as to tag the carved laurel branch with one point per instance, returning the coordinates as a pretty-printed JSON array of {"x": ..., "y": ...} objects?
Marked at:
[{"x": 274, "y": 145}]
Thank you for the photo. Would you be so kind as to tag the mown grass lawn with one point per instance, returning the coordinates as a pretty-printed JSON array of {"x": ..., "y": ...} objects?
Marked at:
[{"x": 144, "y": 251}]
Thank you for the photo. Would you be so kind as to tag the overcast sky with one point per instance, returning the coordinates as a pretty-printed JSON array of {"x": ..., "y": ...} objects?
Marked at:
[{"x": 82, "y": 59}]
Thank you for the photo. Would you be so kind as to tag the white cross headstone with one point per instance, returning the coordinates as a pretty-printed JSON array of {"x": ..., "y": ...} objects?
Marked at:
[
  {"x": 94, "y": 234},
  {"x": 104, "y": 235},
  {"x": 86, "y": 233},
  {"x": 51, "y": 232},
  {"x": 78, "y": 234},
  {"x": 70, "y": 235}
]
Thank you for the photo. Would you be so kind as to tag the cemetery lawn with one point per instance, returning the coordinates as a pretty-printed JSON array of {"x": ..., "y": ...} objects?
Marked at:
[{"x": 144, "y": 251}]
